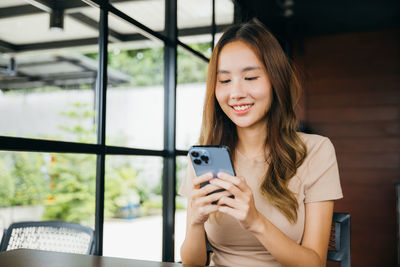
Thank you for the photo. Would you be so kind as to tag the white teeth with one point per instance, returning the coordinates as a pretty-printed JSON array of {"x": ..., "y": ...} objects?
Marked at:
[{"x": 241, "y": 107}]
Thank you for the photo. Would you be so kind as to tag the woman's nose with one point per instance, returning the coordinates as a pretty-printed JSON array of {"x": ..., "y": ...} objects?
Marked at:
[{"x": 237, "y": 90}]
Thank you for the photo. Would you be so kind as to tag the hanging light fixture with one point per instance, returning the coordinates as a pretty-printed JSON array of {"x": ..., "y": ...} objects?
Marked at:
[{"x": 56, "y": 19}]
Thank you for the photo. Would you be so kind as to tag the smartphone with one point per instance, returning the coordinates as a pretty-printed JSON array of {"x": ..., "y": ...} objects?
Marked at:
[{"x": 211, "y": 159}]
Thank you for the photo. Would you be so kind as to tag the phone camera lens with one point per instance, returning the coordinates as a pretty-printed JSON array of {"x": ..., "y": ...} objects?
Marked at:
[
  {"x": 195, "y": 154},
  {"x": 204, "y": 158},
  {"x": 197, "y": 161}
]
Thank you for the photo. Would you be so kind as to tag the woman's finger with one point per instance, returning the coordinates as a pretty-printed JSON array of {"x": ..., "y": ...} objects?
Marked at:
[
  {"x": 213, "y": 197},
  {"x": 207, "y": 210},
  {"x": 228, "y": 210},
  {"x": 227, "y": 186},
  {"x": 208, "y": 196},
  {"x": 238, "y": 181},
  {"x": 228, "y": 201},
  {"x": 205, "y": 190},
  {"x": 202, "y": 179}
]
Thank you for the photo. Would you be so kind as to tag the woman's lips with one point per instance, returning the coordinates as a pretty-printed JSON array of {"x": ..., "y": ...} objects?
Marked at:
[{"x": 241, "y": 109}]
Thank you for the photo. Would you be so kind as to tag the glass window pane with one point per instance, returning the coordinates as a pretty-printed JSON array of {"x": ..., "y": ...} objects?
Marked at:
[
  {"x": 47, "y": 186},
  {"x": 224, "y": 15},
  {"x": 181, "y": 205},
  {"x": 133, "y": 207},
  {"x": 135, "y": 107},
  {"x": 224, "y": 10},
  {"x": 48, "y": 90},
  {"x": 190, "y": 96},
  {"x": 195, "y": 27},
  {"x": 187, "y": 18},
  {"x": 150, "y": 12}
]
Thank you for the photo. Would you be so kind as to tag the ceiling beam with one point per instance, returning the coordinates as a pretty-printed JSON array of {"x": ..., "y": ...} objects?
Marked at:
[
  {"x": 95, "y": 25},
  {"x": 57, "y": 60},
  {"x": 44, "y": 5},
  {"x": 7, "y": 47},
  {"x": 94, "y": 41},
  {"x": 80, "y": 3},
  {"x": 15, "y": 11},
  {"x": 40, "y": 7},
  {"x": 75, "y": 62},
  {"x": 56, "y": 44}
]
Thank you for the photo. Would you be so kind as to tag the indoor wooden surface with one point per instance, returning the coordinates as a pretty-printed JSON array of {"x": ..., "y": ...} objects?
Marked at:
[
  {"x": 37, "y": 258},
  {"x": 352, "y": 96}
]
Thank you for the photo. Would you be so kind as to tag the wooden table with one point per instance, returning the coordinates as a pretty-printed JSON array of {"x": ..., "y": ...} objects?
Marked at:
[{"x": 39, "y": 258}]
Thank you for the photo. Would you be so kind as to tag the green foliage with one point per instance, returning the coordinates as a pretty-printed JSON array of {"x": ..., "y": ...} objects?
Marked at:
[
  {"x": 66, "y": 183},
  {"x": 73, "y": 176},
  {"x": 72, "y": 188},
  {"x": 22, "y": 180},
  {"x": 7, "y": 185},
  {"x": 30, "y": 183},
  {"x": 146, "y": 66},
  {"x": 190, "y": 68},
  {"x": 80, "y": 114},
  {"x": 121, "y": 187}
]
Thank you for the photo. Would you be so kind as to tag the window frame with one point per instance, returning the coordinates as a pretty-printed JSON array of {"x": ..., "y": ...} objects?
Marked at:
[{"x": 170, "y": 39}]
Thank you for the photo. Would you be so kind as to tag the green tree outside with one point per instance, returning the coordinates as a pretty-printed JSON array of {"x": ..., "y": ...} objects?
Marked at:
[
  {"x": 65, "y": 183},
  {"x": 146, "y": 66},
  {"x": 22, "y": 179}
]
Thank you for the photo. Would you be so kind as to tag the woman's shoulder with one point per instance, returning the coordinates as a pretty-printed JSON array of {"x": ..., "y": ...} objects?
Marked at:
[{"x": 315, "y": 142}]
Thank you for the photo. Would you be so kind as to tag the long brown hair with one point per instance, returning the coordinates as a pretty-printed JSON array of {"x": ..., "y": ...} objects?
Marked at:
[{"x": 286, "y": 150}]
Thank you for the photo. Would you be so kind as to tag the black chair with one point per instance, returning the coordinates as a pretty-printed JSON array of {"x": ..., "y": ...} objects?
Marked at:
[
  {"x": 50, "y": 236},
  {"x": 339, "y": 242}
]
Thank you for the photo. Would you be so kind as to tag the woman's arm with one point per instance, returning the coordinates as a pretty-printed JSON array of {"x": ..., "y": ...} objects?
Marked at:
[
  {"x": 193, "y": 250},
  {"x": 314, "y": 247},
  {"x": 318, "y": 220}
]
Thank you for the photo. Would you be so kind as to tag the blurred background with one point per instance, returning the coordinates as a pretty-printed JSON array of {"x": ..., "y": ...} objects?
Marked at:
[{"x": 56, "y": 133}]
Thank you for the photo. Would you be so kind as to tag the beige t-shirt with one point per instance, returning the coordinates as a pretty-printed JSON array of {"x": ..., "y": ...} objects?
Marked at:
[{"x": 317, "y": 179}]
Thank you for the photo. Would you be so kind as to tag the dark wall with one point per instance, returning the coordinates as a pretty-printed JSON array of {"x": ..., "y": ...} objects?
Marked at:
[{"x": 352, "y": 96}]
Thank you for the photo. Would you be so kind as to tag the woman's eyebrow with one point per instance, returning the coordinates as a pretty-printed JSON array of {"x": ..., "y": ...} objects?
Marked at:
[
  {"x": 223, "y": 72},
  {"x": 250, "y": 68}
]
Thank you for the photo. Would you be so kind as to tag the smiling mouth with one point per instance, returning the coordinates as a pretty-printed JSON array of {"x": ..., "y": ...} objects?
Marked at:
[{"x": 241, "y": 108}]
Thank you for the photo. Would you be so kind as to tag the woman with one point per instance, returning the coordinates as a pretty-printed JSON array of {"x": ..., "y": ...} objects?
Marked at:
[{"x": 286, "y": 181}]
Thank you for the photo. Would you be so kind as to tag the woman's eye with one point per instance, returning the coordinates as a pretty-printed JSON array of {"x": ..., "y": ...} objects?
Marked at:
[
  {"x": 251, "y": 78},
  {"x": 225, "y": 81}
]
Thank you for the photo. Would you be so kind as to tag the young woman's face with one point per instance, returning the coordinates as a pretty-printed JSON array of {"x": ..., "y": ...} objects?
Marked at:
[{"x": 243, "y": 89}]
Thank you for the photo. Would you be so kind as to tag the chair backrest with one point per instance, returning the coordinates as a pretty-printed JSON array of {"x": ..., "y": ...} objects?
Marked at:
[
  {"x": 50, "y": 236},
  {"x": 339, "y": 242}
]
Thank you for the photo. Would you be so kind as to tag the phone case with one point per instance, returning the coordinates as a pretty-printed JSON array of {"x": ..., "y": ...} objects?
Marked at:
[{"x": 211, "y": 159}]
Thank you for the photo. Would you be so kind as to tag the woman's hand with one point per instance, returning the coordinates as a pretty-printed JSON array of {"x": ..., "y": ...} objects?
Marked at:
[
  {"x": 242, "y": 205},
  {"x": 201, "y": 199}
]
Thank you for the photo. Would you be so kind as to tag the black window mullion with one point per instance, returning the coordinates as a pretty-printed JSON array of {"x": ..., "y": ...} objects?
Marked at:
[
  {"x": 194, "y": 52},
  {"x": 101, "y": 93},
  {"x": 213, "y": 26},
  {"x": 9, "y": 143},
  {"x": 168, "y": 182}
]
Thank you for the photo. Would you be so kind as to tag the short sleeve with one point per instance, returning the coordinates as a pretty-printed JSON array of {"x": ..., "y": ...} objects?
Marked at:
[
  {"x": 323, "y": 182},
  {"x": 186, "y": 187}
]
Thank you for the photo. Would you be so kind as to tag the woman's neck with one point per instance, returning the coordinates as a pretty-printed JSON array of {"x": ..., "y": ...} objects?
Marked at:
[{"x": 251, "y": 142}]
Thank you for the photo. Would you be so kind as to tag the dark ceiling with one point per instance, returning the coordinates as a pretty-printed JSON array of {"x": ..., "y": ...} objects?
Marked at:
[{"x": 320, "y": 17}]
